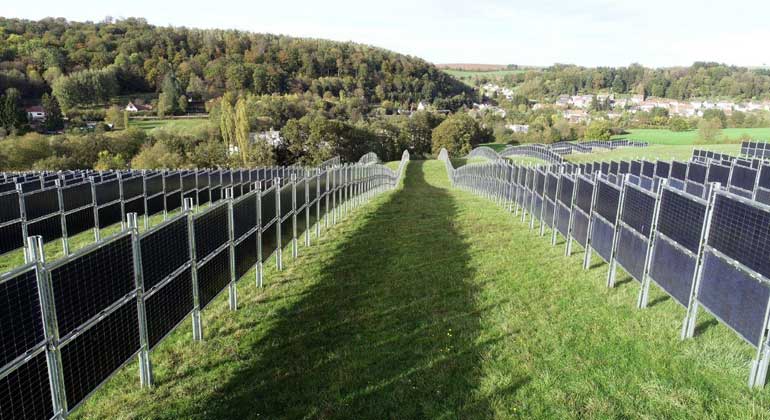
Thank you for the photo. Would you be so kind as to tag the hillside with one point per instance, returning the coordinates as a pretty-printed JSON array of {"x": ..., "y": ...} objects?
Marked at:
[{"x": 130, "y": 56}]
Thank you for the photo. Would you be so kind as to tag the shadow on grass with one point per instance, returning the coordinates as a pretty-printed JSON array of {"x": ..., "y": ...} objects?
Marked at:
[{"x": 391, "y": 329}]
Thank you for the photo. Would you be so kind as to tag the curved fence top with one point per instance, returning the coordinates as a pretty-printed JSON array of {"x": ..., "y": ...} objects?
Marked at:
[
  {"x": 369, "y": 158},
  {"x": 482, "y": 152}
]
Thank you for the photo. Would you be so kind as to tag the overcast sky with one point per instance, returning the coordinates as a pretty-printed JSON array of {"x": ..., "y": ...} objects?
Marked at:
[{"x": 533, "y": 32}]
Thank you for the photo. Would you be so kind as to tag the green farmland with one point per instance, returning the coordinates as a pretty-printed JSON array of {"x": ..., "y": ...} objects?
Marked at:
[
  {"x": 665, "y": 136},
  {"x": 170, "y": 124}
]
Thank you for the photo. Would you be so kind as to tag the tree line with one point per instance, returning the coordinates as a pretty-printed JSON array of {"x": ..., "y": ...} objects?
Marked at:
[
  {"x": 86, "y": 63},
  {"x": 701, "y": 80}
]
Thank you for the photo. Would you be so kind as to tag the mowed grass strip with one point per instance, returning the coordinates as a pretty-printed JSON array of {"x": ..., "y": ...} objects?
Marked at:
[{"x": 431, "y": 302}]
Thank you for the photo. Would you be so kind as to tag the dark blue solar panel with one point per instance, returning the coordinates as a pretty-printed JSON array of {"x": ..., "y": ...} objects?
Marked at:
[
  {"x": 164, "y": 250},
  {"x": 551, "y": 186},
  {"x": 80, "y": 221},
  {"x": 696, "y": 172},
  {"x": 678, "y": 170},
  {"x": 214, "y": 276},
  {"x": 734, "y": 297},
  {"x": 168, "y": 306},
  {"x": 580, "y": 228},
  {"x": 719, "y": 173},
  {"x": 268, "y": 206},
  {"x": 537, "y": 206},
  {"x": 638, "y": 209},
  {"x": 548, "y": 211},
  {"x": 742, "y": 232},
  {"x": 25, "y": 393},
  {"x": 245, "y": 255},
  {"x": 566, "y": 188},
  {"x": 95, "y": 354},
  {"x": 562, "y": 222},
  {"x": 173, "y": 201},
  {"x": 244, "y": 215},
  {"x": 22, "y": 320},
  {"x": 49, "y": 228},
  {"x": 602, "y": 235},
  {"x": 681, "y": 218},
  {"x": 540, "y": 183},
  {"x": 155, "y": 205},
  {"x": 41, "y": 203},
  {"x": 673, "y": 270},
  {"x": 607, "y": 200},
  {"x": 211, "y": 231},
  {"x": 743, "y": 177},
  {"x": 662, "y": 169},
  {"x": 107, "y": 192},
  {"x": 286, "y": 200},
  {"x": 631, "y": 253},
  {"x": 133, "y": 187},
  {"x": 9, "y": 207},
  {"x": 585, "y": 190},
  {"x": 85, "y": 285},
  {"x": 77, "y": 196},
  {"x": 109, "y": 215}
]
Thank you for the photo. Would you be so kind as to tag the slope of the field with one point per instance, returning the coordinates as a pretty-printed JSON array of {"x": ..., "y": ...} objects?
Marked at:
[
  {"x": 668, "y": 137},
  {"x": 433, "y": 303}
]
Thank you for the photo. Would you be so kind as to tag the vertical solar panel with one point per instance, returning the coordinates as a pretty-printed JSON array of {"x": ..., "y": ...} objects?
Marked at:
[
  {"x": 213, "y": 276},
  {"x": 244, "y": 215},
  {"x": 25, "y": 393},
  {"x": 168, "y": 306},
  {"x": 211, "y": 230},
  {"x": 22, "y": 319},
  {"x": 286, "y": 200},
  {"x": 84, "y": 285},
  {"x": 741, "y": 231},
  {"x": 246, "y": 254},
  {"x": 91, "y": 357},
  {"x": 607, "y": 200},
  {"x": 638, "y": 208},
  {"x": 164, "y": 250},
  {"x": 602, "y": 236}
]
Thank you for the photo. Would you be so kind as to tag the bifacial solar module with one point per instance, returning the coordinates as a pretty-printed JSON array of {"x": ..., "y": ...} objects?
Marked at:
[
  {"x": 562, "y": 219},
  {"x": 22, "y": 320},
  {"x": 210, "y": 230},
  {"x": 49, "y": 228},
  {"x": 9, "y": 207},
  {"x": 697, "y": 172},
  {"x": 245, "y": 215},
  {"x": 743, "y": 177},
  {"x": 109, "y": 215},
  {"x": 673, "y": 270},
  {"x": 607, "y": 200},
  {"x": 245, "y": 255},
  {"x": 77, "y": 196},
  {"x": 742, "y": 232},
  {"x": 85, "y": 285},
  {"x": 580, "y": 228},
  {"x": 41, "y": 203},
  {"x": 286, "y": 200},
  {"x": 678, "y": 170},
  {"x": 95, "y": 354},
  {"x": 26, "y": 392},
  {"x": 80, "y": 221},
  {"x": 107, "y": 192},
  {"x": 602, "y": 236},
  {"x": 168, "y": 306},
  {"x": 566, "y": 188},
  {"x": 631, "y": 253},
  {"x": 164, "y": 250},
  {"x": 548, "y": 211},
  {"x": 638, "y": 209},
  {"x": 681, "y": 218},
  {"x": 268, "y": 206},
  {"x": 551, "y": 186},
  {"x": 734, "y": 297},
  {"x": 213, "y": 276}
]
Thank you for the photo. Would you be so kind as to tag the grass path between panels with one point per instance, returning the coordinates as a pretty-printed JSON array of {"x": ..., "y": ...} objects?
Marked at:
[{"x": 430, "y": 302}]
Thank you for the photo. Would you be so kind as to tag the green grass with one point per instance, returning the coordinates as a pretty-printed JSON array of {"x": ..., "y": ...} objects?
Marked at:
[
  {"x": 433, "y": 303},
  {"x": 652, "y": 152},
  {"x": 665, "y": 136},
  {"x": 185, "y": 124}
]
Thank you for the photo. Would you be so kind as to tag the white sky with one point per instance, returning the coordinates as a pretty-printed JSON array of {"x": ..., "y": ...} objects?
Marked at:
[{"x": 532, "y": 32}]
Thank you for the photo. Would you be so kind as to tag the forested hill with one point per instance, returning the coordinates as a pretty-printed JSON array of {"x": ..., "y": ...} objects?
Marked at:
[
  {"x": 701, "y": 80},
  {"x": 131, "y": 56}
]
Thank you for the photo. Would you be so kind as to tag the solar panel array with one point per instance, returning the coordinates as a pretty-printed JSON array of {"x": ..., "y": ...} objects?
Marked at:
[
  {"x": 700, "y": 230},
  {"x": 71, "y": 323}
]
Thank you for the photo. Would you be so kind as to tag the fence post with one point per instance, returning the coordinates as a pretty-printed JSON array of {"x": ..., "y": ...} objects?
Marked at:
[
  {"x": 122, "y": 202},
  {"x": 145, "y": 367},
  {"x": 23, "y": 216},
  {"x": 97, "y": 233},
  {"x": 64, "y": 237},
  {"x": 613, "y": 264},
  {"x": 318, "y": 204},
  {"x": 196, "y": 313},
  {"x": 35, "y": 253},
  {"x": 327, "y": 177},
  {"x": 294, "y": 251},
  {"x": 688, "y": 327},
  {"x": 232, "y": 290},
  {"x": 307, "y": 209},
  {"x": 334, "y": 196},
  {"x": 258, "y": 187},
  {"x": 278, "y": 233}
]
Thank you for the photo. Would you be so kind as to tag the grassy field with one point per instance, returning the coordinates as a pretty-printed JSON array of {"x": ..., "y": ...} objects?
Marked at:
[
  {"x": 170, "y": 124},
  {"x": 665, "y": 152},
  {"x": 433, "y": 303},
  {"x": 668, "y": 137}
]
